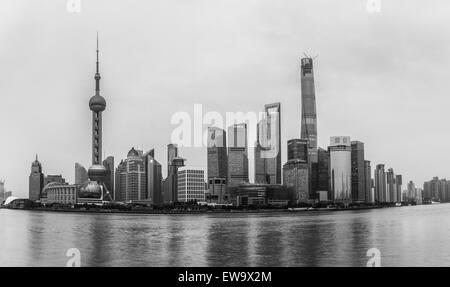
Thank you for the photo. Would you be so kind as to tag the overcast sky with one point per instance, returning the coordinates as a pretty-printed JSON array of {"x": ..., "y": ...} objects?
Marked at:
[{"x": 381, "y": 78}]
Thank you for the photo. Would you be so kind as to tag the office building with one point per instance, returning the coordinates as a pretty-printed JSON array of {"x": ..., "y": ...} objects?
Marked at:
[
  {"x": 261, "y": 194},
  {"x": 320, "y": 174},
  {"x": 237, "y": 154},
  {"x": 340, "y": 168},
  {"x": 132, "y": 178},
  {"x": 81, "y": 175},
  {"x": 36, "y": 180},
  {"x": 296, "y": 176},
  {"x": 370, "y": 198},
  {"x": 216, "y": 191},
  {"x": 309, "y": 116},
  {"x": 297, "y": 149},
  {"x": 108, "y": 163},
  {"x": 398, "y": 187},
  {"x": 380, "y": 184},
  {"x": 154, "y": 178},
  {"x": 217, "y": 153},
  {"x": 191, "y": 184},
  {"x": 358, "y": 172}
]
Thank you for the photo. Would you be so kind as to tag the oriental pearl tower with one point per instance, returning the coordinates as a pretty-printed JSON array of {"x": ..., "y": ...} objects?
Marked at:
[{"x": 94, "y": 190}]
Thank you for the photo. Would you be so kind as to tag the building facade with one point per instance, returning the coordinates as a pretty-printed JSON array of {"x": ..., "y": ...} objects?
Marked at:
[
  {"x": 81, "y": 175},
  {"x": 217, "y": 153},
  {"x": 60, "y": 193},
  {"x": 154, "y": 178},
  {"x": 340, "y": 168},
  {"x": 380, "y": 184},
  {"x": 309, "y": 116},
  {"x": 108, "y": 163},
  {"x": 296, "y": 176},
  {"x": 191, "y": 184},
  {"x": 36, "y": 180},
  {"x": 358, "y": 172},
  {"x": 370, "y": 198},
  {"x": 237, "y": 154},
  {"x": 132, "y": 179}
]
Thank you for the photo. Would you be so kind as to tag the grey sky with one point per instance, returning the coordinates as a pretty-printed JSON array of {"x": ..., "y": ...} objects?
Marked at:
[{"x": 381, "y": 78}]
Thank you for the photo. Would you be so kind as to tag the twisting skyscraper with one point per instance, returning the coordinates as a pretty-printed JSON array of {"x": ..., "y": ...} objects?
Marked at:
[{"x": 309, "y": 117}]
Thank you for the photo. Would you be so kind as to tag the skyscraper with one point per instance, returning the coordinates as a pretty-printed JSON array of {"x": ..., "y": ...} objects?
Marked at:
[
  {"x": 358, "y": 171},
  {"x": 340, "y": 168},
  {"x": 36, "y": 182},
  {"x": 172, "y": 152},
  {"x": 391, "y": 193},
  {"x": 309, "y": 117},
  {"x": 380, "y": 183},
  {"x": 398, "y": 187},
  {"x": 132, "y": 179},
  {"x": 268, "y": 146},
  {"x": 81, "y": 175},
  {"x": 108, "y": 163},
  {"x": 368, "y": 182},
  {"x": 237, "y": 154},
  {"x": 154, "y": 178},
  {"x": 191, "y": 184},
  {"x": 217, "y": 153},
  {"x": 320, "y": 174},
  {"x": 295, "y": 175},
  {"x": 297, "y": 149}
]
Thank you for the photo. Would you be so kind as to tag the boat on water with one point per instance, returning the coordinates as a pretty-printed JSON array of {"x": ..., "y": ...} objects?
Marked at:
[
  {"x": 435, "y": 202},
  {"x": 398, "y": 204}
]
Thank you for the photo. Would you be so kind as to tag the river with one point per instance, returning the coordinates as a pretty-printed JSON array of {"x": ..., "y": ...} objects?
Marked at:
[{"x": 404, "y": 236}]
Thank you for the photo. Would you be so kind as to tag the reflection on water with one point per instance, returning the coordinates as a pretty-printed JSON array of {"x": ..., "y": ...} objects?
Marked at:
[{"x": 406, "y": 236}]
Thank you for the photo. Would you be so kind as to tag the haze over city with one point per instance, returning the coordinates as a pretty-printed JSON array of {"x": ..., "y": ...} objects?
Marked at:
[{"x": 373, "y": 80}]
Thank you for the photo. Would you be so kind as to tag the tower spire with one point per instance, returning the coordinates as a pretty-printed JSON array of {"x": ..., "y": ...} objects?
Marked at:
[{"x": 97, "y": 74}]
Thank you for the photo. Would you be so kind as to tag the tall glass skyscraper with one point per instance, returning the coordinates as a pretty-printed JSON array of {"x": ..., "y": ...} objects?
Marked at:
[
  {"x": 268, "y": 146},
  {"x": 358, "y": 172},
  {"x": 237, "y": 154},
  {"x": 340, "y": 167},
  {"x": 309, "y": 117}
]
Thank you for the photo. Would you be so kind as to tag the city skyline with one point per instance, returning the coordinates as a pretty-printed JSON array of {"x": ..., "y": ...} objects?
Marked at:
[{"x": 393, "y": 146}]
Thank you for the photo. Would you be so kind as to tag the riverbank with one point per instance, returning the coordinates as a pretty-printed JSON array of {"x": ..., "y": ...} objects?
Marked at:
[{"x": 196, "y": 211}]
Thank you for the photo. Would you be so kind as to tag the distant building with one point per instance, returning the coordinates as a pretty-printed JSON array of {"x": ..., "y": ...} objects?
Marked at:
[
  {"x": 391, "y": 193},
  {"x": 368, "y": 182},
  {"x": 380, "y": 184},
  {"x": 411, "y": 192},
  {"x": 340, "y": 168},
  {"x": 436, "y": 190},
  {"x": 295, "y": 175},
  {"x": 36, "y": 181},
  {"x": 108, "y": 163},
  {"x": 54, "y": 178},
  {"x": 217, "y": 153},
  {"x": 3, "y": 196},
  {"x": 320, "y": 174},
  {"x": 81, "y": 174},
  {"x": 237, "y": 154},
  {"x": 358, "y": 172},
  {"x": 60, "y": 193},
  {"x": 154, "y": 178},
  {"x": 297, "y": 149},
  {"x": 217, "y": 191},
  {"x": 191, "y": 184},
  {"x": 132, "y": 180},
  {"x": 261, "y": 194},
  {"x": 309, "y": 116},
  {"x": 172, "y": 152},
  {"x": 268, "y": 146},
  {"x": 398, "y": 187}
]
